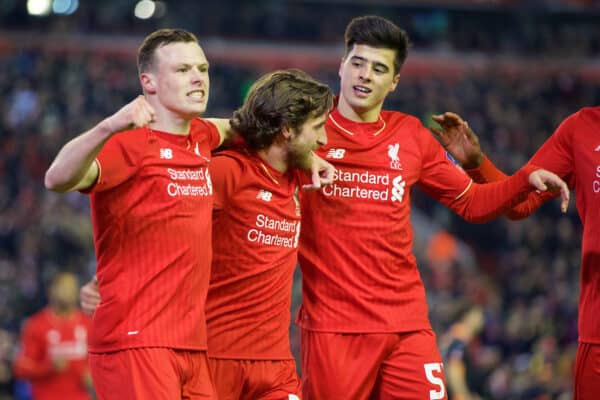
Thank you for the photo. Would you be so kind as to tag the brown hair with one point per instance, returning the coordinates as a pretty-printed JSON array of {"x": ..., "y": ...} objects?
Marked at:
[
  {"x": 157, "y": 39},
  {"x": 281, "y": 99}
]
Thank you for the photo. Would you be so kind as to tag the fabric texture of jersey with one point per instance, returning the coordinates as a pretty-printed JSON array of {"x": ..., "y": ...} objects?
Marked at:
[
  {"x": 47, "y": 336},
  {"x": 359, "y": 272},
  {"x": 573, "y": 153},
  {"x": 256, "y": 226},
  {"x": 586, "y": 382},
  {"x": 151, "y": 210}
]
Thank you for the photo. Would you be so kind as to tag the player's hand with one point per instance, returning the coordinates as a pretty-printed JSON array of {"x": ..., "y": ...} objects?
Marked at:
[
  {"x": 89, "y": 297},
  {"x": 543, "y": 180},
  {"x": 137, "y": 113},
  {"x": 460, "y": 141},
  {"x": 322, "y": 173}
]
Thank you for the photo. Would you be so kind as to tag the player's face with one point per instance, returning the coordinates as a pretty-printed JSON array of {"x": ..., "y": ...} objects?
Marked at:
[
  {"x": 64, "y": 292},
  {"x": 180, "y": 76},
  {"x": 367, "y": 76},
  {"x": 310, "y": 136}
]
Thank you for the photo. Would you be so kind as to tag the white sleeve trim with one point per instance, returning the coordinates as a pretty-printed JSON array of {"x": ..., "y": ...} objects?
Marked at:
[{"x": 464, "y": 191}]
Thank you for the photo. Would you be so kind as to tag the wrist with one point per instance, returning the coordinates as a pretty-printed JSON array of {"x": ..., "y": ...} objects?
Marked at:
[{"x": 475, "y": 162}]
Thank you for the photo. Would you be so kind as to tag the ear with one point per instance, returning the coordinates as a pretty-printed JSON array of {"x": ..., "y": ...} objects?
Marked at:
[
  {"x": 395, "y": 81},
  {"x": 148, "y": 82},
  {"x": 286, "y": 133},
  {"x": 341, "y": 66}
]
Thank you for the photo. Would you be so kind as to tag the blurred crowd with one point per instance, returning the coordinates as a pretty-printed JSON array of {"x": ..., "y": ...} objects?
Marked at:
[
  {"x": 523, "y": 274},
  {"x": 555, "y": 28}
]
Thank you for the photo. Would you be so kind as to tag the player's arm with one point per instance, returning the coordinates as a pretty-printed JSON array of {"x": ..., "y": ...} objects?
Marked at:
[
  {"x": 463, "y": 144},
  {"x": 74, "y": 168},
  {"x": 480, "y": 203},
  {"x": 226, "y": 133}
]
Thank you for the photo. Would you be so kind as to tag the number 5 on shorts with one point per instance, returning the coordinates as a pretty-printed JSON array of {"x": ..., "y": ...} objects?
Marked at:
[{"x": 430, "y": 368}]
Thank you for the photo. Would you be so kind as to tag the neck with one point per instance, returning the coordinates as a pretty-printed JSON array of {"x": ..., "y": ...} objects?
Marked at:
[
  {"x": 275, "y": 156},
  {"x": 167, "y": 121},
  {"x": 358, "y": 115}
]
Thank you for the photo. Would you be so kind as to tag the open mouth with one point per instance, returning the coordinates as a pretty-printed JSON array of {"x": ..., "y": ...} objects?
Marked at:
[
  {"x": 361, "y": 90},
  {"x": 197, "y": 94}
]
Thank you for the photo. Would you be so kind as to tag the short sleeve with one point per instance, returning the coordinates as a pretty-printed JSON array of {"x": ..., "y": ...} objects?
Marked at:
[
  {"x": 205, "y": 127},
  {"x": 119, "y": 159}
]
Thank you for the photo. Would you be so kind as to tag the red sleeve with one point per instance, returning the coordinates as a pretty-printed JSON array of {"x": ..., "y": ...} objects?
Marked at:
[
  {"x": 556, "y": 154},
  {"x": 440, "y": 177},
  {"x": 484, "y": 202},
  {"x": 119, "y": 159},
  {"x": 214, "y": 137},
  {"x": 225, "y": 173},
  {"x": 32, "y": 361},
  {"x": 488, "y": 172}
]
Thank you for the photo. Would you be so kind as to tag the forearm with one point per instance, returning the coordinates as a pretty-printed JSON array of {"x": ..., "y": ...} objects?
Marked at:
[
  {"x": 73, "y": 168},
  {"x": 488, "y": 172},
  {"x": 482, "y": 203}
]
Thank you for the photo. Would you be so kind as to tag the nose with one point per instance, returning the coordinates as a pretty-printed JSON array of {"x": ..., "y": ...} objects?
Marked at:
[
  {"x": 365, "y": 72},
  {"x": 322, "y": 137},
  {"x": 198, "y": 76}
]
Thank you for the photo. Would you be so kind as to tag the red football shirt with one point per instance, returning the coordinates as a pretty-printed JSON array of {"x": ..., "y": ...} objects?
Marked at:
[
  {"x": 359, "y": 272},
  {"x": 256, "y": 226},
  {"x": 47, "y": 336},
  {"x": 151, "y": 210},
  {"x": 573, "y": 153}
]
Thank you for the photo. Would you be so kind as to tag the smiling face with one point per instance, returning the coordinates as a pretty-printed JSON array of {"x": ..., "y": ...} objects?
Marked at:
[
  {"x": 367, "y": 77},
  {"x": 178, "y": 82}
]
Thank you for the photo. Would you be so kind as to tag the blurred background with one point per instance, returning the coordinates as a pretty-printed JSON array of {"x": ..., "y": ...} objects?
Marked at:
[{"x": 513, "y": 69}]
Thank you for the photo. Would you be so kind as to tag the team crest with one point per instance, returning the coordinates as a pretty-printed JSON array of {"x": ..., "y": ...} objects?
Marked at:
[{"x": 393, "y": 155}]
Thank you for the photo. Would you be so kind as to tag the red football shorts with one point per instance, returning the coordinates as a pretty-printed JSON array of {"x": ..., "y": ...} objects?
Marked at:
[
  {"x": 255, "y": 379},
  {"x": 372, "y": 366},
  {"x": 587, "y": 372},
  {"x": 156, "y": 373}
]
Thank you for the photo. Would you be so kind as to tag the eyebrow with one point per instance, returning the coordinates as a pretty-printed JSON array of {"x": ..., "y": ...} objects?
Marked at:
[
  {"x": 186, "y": 64},
  {"x": 376, "y": 63}
]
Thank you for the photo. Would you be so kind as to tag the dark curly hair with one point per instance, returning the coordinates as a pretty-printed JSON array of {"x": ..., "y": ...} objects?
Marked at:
[
  {"x": 281, "y": 99},
  {"x": 377, "y": 32}
]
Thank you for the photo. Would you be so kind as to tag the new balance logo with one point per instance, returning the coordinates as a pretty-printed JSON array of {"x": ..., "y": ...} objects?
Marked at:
[
  {"x": 597, "y": 148},
  {"x": 264, "y": 195},
  {"x": 393, "y": 155},
  {"x": 167, "y": 154},
  {"x": 338, "y": 154}
]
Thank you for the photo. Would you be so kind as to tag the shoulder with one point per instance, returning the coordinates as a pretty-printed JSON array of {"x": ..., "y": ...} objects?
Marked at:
[
  {"x": 131, "y": 135},
  {"x": 232, "y": 163},
  {"x": 588, "y": 115},
  {"x": 34, "y": 321}
]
